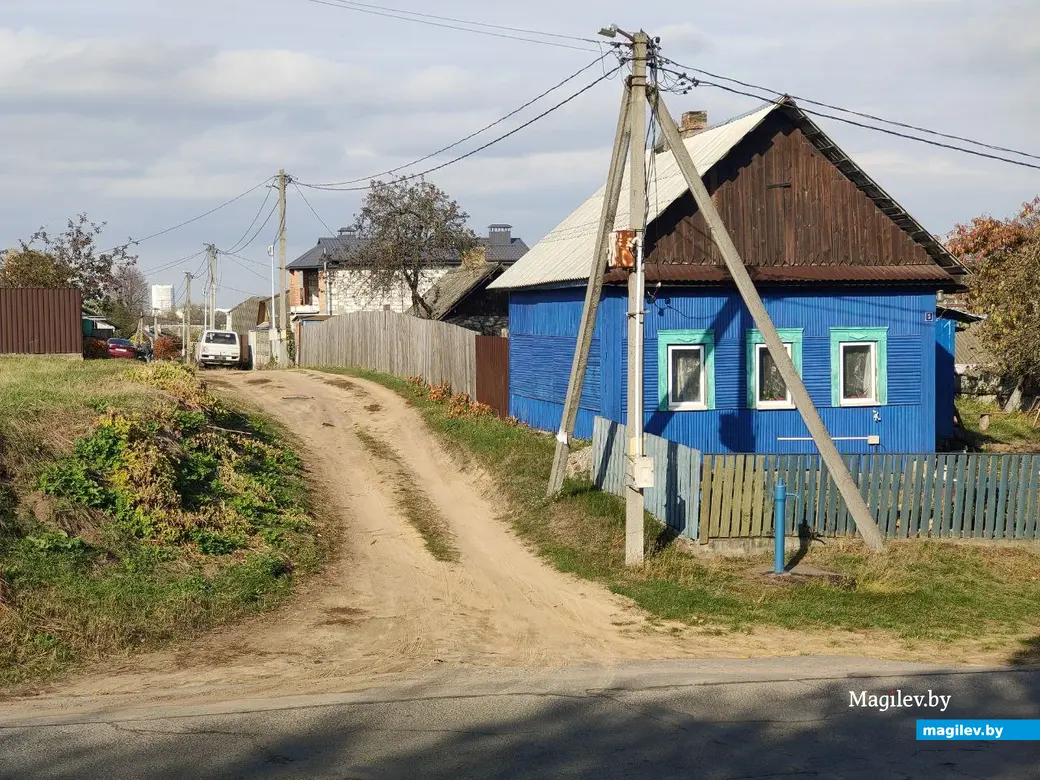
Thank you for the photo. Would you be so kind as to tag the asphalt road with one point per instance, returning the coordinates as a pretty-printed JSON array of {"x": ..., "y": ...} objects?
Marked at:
[{"x": 736, "y": 720}]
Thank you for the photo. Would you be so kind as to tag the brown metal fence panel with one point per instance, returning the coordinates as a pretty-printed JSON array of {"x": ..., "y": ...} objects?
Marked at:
[
  {"x": 493, "y": 373},
  {"x": 39, "y": 321}
]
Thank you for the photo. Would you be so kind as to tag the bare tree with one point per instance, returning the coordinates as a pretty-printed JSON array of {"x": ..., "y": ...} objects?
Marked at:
[
  {"x": 130, "y": 289},
  {"x": 407, "y": 228}
]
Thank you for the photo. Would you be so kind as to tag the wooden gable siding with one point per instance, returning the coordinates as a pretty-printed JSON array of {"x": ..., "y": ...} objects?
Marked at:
[{"x": 821, "y": 219}]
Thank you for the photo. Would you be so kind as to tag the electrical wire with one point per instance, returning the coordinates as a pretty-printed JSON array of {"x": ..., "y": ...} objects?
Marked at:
[
  {"x": 886, "y": 131},
  {"x": 481, "y": 148},
  {"x": 485, "y": 128},
  {"x": 420, "y": 18},
  {"x": 507, "y": 28},
  {"x": 172, "y": 264},
  {"x": 214, "y": 210},
  {"x": 259, "y": 230},
  {"x": 315, "y": 213},
  {"x": 243, "y": 266},
  {"x": 235, "y": 247},
  {"x": 853, "y": 112}
]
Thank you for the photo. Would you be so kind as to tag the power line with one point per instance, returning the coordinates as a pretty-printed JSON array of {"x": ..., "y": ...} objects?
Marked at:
[
  {"x": 173, "y": 263},
  {"x": 885, "y": 130},
  {"x": 259, "y": 230},
  {"x": 421, "y": 18},
  {"x": 853, "y": 112},
  {"x": 244, "y": 266},
  {"x": 225, "y": 204},
  {"x": 490, "y": 143},
  {"x": 315, "y": 213},
  {"x": 485, "y": 128},
  {"x": 235, "y": 247},
  {"x": 475, "y": 24}
]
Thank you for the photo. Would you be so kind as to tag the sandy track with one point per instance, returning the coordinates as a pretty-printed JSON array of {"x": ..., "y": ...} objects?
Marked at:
[{"x": 386, "y": 610}]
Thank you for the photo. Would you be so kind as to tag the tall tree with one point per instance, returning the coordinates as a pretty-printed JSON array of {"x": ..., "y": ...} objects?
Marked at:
[
  {"x": 70, "y": 258},
  {"x": 31, "y": 268},
  {"x": 407, "y": 229},
  {"x": 1003, "y": 256},
  {"x": 130, "y": 289}
]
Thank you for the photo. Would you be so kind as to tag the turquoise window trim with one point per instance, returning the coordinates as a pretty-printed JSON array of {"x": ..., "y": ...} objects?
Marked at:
[
  {"x": 843, "y": 335},
  {"x": 671, "y": 338},
  {"x": 792, "y": 336}
]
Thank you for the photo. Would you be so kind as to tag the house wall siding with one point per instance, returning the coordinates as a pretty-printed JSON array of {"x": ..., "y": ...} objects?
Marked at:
[
  {"x": 821, "y": 218},
  {"x": 543, "y": 332},
  {"x": 347, "y": 297}
]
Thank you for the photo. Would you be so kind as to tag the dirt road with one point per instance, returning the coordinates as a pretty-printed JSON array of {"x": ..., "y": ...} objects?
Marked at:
[{"x": 386, "y": 609}]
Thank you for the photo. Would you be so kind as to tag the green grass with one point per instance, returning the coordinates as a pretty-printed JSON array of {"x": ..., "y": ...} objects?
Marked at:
[
  {"x": 103, "y": 566},
  {"x": 1012, "y": 429},
  {"x": 413, "y": 502},
  {"x": 918, "y": 590}
]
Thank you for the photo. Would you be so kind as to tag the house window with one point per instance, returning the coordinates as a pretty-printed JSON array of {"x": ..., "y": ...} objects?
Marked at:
[
  {"x": 859, "y": 372},
  {"x": 766, "y": 389},
  {"x": 770, "y": 389},
  {"x": 686, "y": 370},
  {"x": 685, "y": 377}
]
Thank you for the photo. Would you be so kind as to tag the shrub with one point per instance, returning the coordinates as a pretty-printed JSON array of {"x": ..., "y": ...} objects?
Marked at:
[
  {"x": 94, "y": 348},
  {"x": 165, "y": 348}
]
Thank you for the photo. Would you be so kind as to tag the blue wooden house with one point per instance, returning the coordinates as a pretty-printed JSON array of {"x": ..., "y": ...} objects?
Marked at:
[{"x": 848, "y": 276}]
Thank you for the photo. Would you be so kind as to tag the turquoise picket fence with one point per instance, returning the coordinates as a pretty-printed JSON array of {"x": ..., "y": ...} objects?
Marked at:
[{"x": 915, "y": 495}]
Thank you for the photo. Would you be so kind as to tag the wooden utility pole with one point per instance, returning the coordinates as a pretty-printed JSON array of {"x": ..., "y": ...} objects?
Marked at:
[
  {"x": 598, "y": 267},
  {"x": 828, "y": 452},
  {"x": 634, "y": 482},
  {"x": 283, "y": 315}
]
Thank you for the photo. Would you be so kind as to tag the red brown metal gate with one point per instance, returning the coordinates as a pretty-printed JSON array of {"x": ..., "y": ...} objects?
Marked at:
[
  {"x": 493, "y": 373},
  {"x": 39, "y": 321}
]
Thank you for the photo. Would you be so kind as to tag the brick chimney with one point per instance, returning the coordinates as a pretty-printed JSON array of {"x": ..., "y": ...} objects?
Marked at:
[
  {"x": 692, "y": 122},
  {"x": 500, "y": 235}
]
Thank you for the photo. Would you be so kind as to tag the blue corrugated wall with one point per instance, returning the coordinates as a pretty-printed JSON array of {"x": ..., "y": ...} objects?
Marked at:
[
  {"x": 544, "y": 324},
  {"x": 945, "y": 377}
]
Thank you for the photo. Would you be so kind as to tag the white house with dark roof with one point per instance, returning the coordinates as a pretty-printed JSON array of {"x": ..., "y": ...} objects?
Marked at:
[{"x": 320, "y": 285}]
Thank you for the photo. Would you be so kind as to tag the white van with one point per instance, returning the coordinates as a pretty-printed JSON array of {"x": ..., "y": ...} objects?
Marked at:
[{"x": 219, "y": 348}]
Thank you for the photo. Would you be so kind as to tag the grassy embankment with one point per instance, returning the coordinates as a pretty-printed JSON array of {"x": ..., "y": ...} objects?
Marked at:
[
  {"x": 919, "y": 591},
  {"x": 1007, "y": 431},
  {"x": 135, "y": 509}
]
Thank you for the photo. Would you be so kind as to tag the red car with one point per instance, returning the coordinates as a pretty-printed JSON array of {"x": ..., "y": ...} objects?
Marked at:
[{"x": 121, "y": 348}]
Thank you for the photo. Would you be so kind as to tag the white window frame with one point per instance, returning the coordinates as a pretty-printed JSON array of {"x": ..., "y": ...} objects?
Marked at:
[
  {"x": 688, "y": 406},
  {"x": 788, "y": 403},
  {"x": 873, "y": 399}
]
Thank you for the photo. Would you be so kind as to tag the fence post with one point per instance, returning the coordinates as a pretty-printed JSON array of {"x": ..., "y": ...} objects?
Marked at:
[{"x": 779, "y": 526}]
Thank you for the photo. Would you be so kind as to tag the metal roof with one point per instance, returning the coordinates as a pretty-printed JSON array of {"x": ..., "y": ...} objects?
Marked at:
[
  {"x": 565, "y": 254},
  {"x": 337, "y": 249}
]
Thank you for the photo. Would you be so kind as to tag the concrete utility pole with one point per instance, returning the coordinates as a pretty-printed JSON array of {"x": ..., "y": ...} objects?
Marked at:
[
  {"x": 587, "y": 327},
  {"x": 828, "y": 452},
  {"x": 212, "y": 286},
  {"x": 186, "y": 323},
  {"x": 283, "y": 315},
  {"x": 637, "y": 477}
]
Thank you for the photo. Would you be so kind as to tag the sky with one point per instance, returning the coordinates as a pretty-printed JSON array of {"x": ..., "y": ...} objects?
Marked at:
[{"x": 146, "y": 113}]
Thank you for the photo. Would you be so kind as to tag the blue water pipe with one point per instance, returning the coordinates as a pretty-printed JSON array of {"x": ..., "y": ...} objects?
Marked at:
[{"x": 779, "y": 525}]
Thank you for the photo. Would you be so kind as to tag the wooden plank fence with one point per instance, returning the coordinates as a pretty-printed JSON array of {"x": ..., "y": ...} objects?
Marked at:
[
  {"x": 393, "y": 343},
  {"x": 674, "y": 498},
  {"x": 925, "y": 495}
]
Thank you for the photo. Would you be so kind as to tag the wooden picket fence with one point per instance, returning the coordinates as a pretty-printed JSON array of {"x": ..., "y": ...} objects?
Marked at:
[
  {"x": 958, "y": 495},
  {"x": 674, "y": 498},
  {"x": 926, "y": 495}
]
